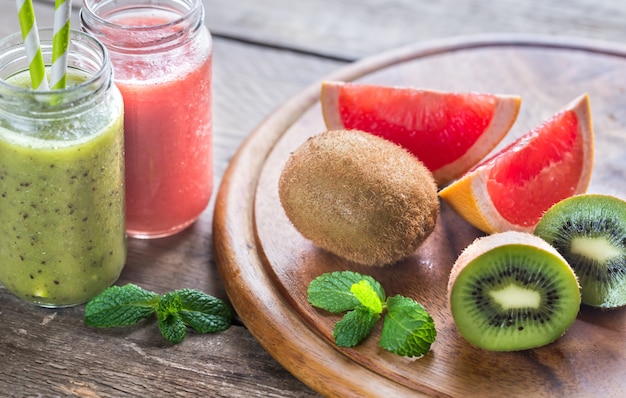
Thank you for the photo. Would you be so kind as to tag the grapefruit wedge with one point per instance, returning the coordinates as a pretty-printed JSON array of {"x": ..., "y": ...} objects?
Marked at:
[
  {"x": 513, "y": 188},
  {"x": 448, "y": 132}
]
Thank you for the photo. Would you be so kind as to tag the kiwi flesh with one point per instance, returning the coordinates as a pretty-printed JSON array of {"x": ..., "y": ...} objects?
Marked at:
[
  {"x": 359, "y": 196},
  {"x": 589, "y": 230},
  {"x": 511, "y": 291}
]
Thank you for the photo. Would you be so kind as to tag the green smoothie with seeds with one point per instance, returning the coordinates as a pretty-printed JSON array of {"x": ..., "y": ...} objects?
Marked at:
[{"x": 62, "y": 228}]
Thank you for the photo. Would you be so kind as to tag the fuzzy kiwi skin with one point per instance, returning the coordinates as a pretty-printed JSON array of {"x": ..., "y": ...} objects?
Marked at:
[
  {"x": 359, "y": 196},
  {"x": 600, "y": 220},
  {"x": 512, "y": 262}
]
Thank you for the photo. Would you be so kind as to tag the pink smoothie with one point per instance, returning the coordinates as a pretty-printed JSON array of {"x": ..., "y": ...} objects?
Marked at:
[{"x": 168, "y": 134}]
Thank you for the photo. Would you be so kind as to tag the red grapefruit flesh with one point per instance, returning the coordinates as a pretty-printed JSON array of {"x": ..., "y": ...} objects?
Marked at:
[
  {"x": 448, "y": 132},
  {"x": 512, "y": 189}
]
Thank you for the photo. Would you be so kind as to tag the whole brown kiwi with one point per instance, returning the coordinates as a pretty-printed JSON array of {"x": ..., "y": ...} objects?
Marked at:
[{"x": 359, "y": 196}]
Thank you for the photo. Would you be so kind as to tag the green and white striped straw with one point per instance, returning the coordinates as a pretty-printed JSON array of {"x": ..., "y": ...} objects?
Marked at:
[
  {"x": 30, "y": 35},
  {"x": 60, "y": 42}
]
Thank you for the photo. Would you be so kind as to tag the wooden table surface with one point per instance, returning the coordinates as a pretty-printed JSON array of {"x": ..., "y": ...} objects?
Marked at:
[{"x": 264, "y": 52}]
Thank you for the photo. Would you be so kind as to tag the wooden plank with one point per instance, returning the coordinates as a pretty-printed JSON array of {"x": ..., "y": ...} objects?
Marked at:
[
  {"x": 51, "y": 353},
  {"x": 44, "y": 15},
  {"x": 351, "y": 29}
]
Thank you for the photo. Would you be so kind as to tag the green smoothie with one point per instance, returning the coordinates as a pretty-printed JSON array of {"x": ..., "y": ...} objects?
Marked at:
[{"x": 62, "y": 238}]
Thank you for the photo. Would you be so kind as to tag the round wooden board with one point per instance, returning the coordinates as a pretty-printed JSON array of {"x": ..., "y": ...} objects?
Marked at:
[{"x": 266, "y": 265}]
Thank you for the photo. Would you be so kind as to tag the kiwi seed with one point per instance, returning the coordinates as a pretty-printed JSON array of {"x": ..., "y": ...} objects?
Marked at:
[
  {"x": 512, "y": 291},
  {"x": 359, "y": 196},
  {"x": 589, "y": 230}
]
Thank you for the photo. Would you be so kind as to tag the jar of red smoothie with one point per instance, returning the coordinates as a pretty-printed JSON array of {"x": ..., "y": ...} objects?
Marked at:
[{"x": 161, "y": 53}]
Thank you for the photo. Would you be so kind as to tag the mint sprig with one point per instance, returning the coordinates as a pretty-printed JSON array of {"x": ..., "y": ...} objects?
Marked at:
[
  {"x": 175, "y": 311},
  {"x": 408, "y": 329}
]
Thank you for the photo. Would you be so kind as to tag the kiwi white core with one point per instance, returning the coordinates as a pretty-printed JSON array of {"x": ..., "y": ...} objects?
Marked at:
[
  {"x": 514, "y": 296},
  {"x": 598, "y": 249}
]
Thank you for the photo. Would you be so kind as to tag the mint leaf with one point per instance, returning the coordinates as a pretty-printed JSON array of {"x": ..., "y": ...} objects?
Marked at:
[
  {"x": 354, "y": 326},
  {"x": 331, "y": 291},
  {"x": 171, "y": 324},
  {"x": 120, "y": 306},
  {"x": 172, "y": 328},
  {"x": 203, "y": 313},
  {"x": 367, "y": 296},
  {"x": 408, "y": 330}
]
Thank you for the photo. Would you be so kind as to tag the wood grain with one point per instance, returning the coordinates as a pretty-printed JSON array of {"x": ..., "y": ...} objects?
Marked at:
[
  {"x": 267, "y": 265},
  {"x": 266, "y": 52},
  {"x": 352, "y": 29},
  {"x": 51, "y": 353}
]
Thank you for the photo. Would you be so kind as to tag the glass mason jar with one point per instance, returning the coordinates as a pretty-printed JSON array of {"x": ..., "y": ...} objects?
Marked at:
[
  {"x": 162, "y": 56},
  {"x": 62, "y": 231}
]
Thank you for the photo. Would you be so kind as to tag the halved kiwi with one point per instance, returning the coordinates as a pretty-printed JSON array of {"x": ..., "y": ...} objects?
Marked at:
[
  {"x": 512, "y": 291},
  {"x": 589, "y": 231}
]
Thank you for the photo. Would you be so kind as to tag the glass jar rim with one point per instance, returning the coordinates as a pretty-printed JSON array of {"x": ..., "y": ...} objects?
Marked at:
[
  {"x": 194, "y": 7},
  {"x": 14, "y": 43},
  {"x": 89, "y": 65}
]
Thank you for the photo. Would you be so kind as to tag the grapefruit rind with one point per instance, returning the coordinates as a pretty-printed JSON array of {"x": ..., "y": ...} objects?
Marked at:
[
  {"x": 504, "y": 115},
  {"x": 469, "y": 197},
  {"x": 329, "y": 99}
]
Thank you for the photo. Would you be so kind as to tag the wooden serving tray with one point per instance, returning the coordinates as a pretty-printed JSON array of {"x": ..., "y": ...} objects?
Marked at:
[{"x": 266, "y": 265}]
